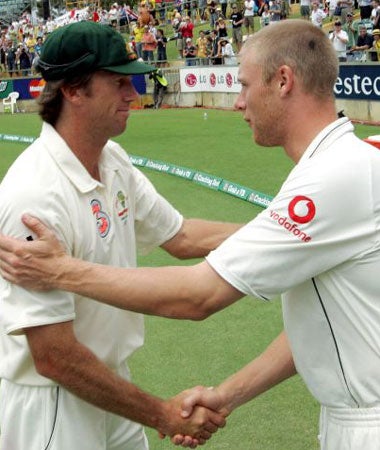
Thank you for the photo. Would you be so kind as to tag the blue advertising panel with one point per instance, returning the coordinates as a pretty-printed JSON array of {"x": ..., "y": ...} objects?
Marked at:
[
  {"x": 358, "y": 82},
  {"x": 29, "y": 88}
]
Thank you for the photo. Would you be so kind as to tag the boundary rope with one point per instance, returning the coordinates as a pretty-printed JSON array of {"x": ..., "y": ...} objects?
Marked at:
[{"x": 202, "y": 178}]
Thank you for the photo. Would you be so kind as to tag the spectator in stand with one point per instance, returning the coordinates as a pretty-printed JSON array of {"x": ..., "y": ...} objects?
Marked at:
[
  {"x": 153, "y": 27},
  {"x": 211, "y": 8},
  {"x": 346, "y": 8},
  {"x": 201, "y": 46},
  {"x": 10, "y": 58},
  {"x": 24, "y": 61},
  {"x": 221, "y": 28},
  {"x": 215, "y": 59},
  {"x": 104, "y": 17},
  {"x": 187, "y": 28},
  {"x": 223, "y": 6},
  {"x": 285, "y": 9},
  {"x": 330, "y": 8},
  {"x": 138, "y": 31},
  {"x": 305, "y": 9},
  {"x": 226, "y": 52},
  {"x": 275, "y": 11},
  {"x": 265, "y": 16},
  {"x": 178, "y": 23},
  {"x": 95, "y": 15},
  {"x": 237, "y": 21},
  {"x": 161, "y": 9},
  {"x": 37, "y": 49},
  {"x": 113, "y": 15},
  {"x": 190, "y": 52},
  {"x": 123, "y": 21},
  {"x": 375, "y": 14},
  {"x": 3, "y": 46},
  {"x": 352, "y": 33},
  {"x": 375, "y": 49},
  {"x": 317, "y": 15},
  {"x": 363, "y": 44},
  {"x": 365, "y": 7},
  {"x": 249, "y": 15},
  {"x": 161, "y": 48},
  {"x": 30, "y": 43},
  {"x": 151, "y": 5},
  {"x": 339, "y": 39},
  {"x": 202, "y": 10},
  {"x": 50, "y": 25},
  {"x": 186, "y": 8},
  {"x": 131, "y": 45},
  {"x": 149, "y": 44}
]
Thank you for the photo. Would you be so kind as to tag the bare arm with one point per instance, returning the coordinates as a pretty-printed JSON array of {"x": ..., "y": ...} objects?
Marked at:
[
  {"x": 59, "y": 356},
  {"x": 191, "y": 292},
  {"x": 270, "y": 368}
]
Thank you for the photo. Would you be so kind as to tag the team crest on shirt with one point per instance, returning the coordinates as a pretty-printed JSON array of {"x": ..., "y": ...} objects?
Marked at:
[
  {"x": 301, "y": 210},
  {"x": 121, "y": 204},
  {"x": 103, "y": 222}
]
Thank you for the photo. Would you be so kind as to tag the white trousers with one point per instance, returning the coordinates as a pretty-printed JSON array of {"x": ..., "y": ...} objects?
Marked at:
[
  {"x": 350, "y": 428},
  {"x": 50, "y": 418}
]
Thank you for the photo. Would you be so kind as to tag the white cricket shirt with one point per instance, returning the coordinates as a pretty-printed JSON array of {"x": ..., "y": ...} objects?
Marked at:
[
  {"x": 318, "y": 244},
  {"x": 98, "y": 222}
]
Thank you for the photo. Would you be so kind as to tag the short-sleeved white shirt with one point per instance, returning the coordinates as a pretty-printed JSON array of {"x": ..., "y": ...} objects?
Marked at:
[
  {"x": 249, "y": 4},
  {"x": 99, "y": 222},
  {"x": 318, "y": 244}
]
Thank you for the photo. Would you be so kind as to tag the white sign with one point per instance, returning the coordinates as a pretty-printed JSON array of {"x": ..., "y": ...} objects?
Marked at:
[{"x": 210, "y": 79}]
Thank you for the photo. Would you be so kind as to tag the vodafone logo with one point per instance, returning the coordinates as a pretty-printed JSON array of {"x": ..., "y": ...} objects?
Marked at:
[
  {"x": 35, "y": 87},
  {"x": 229, "y": 80},
  {"x": 190, "y": 80},
  {"x": 301, "y": 209},
  {"x": 213, "y": 79}
]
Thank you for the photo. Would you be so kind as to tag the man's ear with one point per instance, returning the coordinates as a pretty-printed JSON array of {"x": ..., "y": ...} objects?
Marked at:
[
  {"x": 285, "y": 79},
  {"x": 72, "y": 93}
]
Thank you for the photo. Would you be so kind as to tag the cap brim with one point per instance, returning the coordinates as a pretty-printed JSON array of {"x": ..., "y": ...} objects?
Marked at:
[{"x": 131, "y": 68}]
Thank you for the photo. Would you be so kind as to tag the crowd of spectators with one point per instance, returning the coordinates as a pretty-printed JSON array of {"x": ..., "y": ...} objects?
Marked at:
[{"x": 154, "y": 23}]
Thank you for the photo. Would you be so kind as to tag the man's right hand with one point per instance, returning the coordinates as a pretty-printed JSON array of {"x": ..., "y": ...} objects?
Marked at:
[
  {"x": 193, "y": 400},
  {"x": 32, "y": 264},
  {"x": 193, "y": 425}
]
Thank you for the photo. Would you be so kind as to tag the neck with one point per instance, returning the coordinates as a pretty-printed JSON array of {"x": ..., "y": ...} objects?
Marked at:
[
  {"x": 322, "y": 113},
  {"x": 85, "y": 145}
]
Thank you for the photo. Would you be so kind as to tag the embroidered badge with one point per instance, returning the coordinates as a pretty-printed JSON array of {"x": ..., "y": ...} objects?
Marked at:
[
  {"x": 121, "y": 206},
  {"x": 103, "y": 222}
]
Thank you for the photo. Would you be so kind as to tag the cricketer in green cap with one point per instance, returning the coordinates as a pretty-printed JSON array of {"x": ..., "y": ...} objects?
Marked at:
[{"x": 83, "y": 47}]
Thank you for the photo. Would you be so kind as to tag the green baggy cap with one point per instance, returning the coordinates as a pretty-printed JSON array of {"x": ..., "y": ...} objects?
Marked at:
[{"x": 83, "y": 47}]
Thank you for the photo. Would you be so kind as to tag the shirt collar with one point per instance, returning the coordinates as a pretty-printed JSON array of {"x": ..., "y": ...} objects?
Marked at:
[
  {"x": 69, "y": 163},
  {"x": 327, "y": 136}
]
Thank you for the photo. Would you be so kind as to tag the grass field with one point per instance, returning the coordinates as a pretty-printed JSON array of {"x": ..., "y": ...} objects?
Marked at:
[{"x": 181, "y": 354}]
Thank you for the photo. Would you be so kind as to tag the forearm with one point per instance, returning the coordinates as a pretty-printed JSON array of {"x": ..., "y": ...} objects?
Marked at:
[
  {"x": 272, "y": 367},
  {"x": 60, "y": 357},
  {"x": 189, "y": 292},
  {"x": 198, "y": 237}
]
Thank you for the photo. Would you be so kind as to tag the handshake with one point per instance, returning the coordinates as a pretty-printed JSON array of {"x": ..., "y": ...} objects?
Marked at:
[{"x": 191, "y": 417}]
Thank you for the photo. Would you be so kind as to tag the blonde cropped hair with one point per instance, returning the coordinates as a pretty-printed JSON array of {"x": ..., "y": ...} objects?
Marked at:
[{"x": 300, "y": 45}]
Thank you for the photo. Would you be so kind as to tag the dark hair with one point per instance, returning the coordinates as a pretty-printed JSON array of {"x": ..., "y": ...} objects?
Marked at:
[{"x": 51, "y": 99}]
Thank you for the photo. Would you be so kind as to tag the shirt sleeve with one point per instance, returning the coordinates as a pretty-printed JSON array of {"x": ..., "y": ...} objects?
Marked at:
[
  {"x": 157, "y": 220},
  {"x": 21, "y": 308},
  {"x": 320, "y": 219}
]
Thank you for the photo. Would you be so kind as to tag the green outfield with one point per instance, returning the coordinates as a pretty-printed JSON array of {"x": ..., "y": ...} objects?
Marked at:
[{"x": 181, "y": 354}]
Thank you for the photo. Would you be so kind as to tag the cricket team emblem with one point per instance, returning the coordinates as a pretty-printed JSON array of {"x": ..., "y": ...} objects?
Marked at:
[
  {"x": 121, "y": 206},
  {"x": 103, "y": 222}
]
